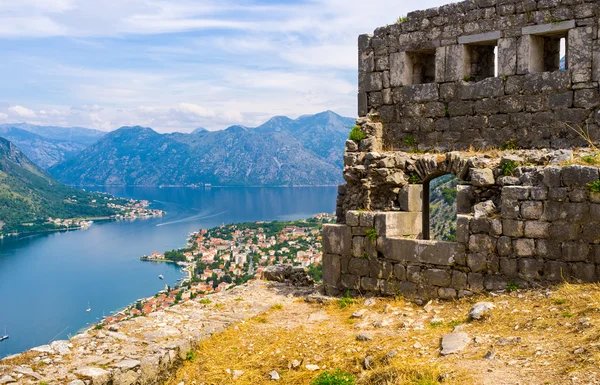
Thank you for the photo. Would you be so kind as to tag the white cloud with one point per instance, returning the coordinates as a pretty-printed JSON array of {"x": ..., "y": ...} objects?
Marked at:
[
  {"x": 194, "y": 109},
  {"x": 3, "y": 116},
  {"x": 22, "y": 112},
  {"x": 181, "y": 64}
]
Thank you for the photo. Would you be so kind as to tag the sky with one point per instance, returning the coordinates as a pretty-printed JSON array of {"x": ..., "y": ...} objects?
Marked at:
[{"x": 176, "y": 65}]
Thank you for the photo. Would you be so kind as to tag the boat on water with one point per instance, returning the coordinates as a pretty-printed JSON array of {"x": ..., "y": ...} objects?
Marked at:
[
  {"x": 89, "y": 309},
  {"x": 161, "y": 276},
  {"x": 5, "y": 336}
]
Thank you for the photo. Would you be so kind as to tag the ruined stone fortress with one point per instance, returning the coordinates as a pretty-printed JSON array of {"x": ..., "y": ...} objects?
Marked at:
[{"x": 479, "y": 90}]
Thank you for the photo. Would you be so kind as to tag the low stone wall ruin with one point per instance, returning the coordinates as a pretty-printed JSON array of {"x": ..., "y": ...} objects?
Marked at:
[{"x": 540, "y": 225}]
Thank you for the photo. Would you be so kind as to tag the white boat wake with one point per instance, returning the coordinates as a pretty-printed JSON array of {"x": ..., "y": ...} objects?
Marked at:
[{"x": 191, "y": 219}]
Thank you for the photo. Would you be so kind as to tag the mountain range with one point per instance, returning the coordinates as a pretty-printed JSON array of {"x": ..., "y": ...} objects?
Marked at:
[
  {"x": 280, "y": 152},
  {"x": 49, "y": 145},
  {"x": 29, "y": 195}
]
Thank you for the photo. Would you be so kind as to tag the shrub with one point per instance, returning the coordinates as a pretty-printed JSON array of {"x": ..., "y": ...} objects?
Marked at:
[
  {"x": 509, "y": 167},
  {"x": 346, "y": 300},
  {"x": 372, "y": 234},
  {"x": 190, "y": 356},
  {"x": 512, "y": 286},
  {"x": 510, "y": 145},
  {"x": 205, "y": 301},
  {"x": 336, "y": 378},
  {"x": 316, "y": 272},
  {"x": 595, "y": 187},
  {"x": 591, "y": 159},
  {"x": 357, "y": 134},
  {"x": 414, "y": 179},
  {"x": 99, "y": 327},
  {"x": 400, "y": 19},
  {"x": 410, "y": 141}
]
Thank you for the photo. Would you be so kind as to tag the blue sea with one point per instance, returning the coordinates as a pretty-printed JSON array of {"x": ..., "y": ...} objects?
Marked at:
[{"x": 48, "y": 280}]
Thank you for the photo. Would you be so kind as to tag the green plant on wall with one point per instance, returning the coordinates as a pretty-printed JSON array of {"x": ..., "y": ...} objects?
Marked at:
[
  {"x": 411, "y": 142},
  {"x": 400, "y": 19},
  {"x": 414, "y": 179},
  {"x": 508, "y": 168},
  {"x": 357, "y": 134},
  {"x": 510, "y": 145},
  {"x": 372, "y": 234},
  {"x": 594, "y": 187}
]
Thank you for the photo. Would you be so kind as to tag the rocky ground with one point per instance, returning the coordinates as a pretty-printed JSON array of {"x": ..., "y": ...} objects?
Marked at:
[
  {"x": 266, "y": 332},
  {"x": 144, "y": 350},
  {"x": 520, "y": 337}
]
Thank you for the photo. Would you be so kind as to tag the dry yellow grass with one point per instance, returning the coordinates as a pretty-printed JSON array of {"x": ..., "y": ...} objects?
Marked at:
[{"x": 549, "y": 338}]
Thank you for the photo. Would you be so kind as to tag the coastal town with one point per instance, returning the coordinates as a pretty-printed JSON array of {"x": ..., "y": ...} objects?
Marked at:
[{"x": 222, "y": 257}]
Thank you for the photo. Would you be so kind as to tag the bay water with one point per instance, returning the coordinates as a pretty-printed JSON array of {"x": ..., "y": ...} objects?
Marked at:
[{"x": 47, "y": 281}]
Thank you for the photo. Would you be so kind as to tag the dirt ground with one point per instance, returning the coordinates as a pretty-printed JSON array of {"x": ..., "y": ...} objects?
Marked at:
[{"x": 531, "y": 337}]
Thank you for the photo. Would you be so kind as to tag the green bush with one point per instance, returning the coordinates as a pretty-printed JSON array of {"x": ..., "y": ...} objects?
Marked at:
[
  {"x": 400, "y": 19},
  {"x": 190, "y": 356},
  {"x": 357, "y": 134},
  {"x": 510, "y": 145},
  {"x": 336, "y": 378},
  {"x": 591, "y": 159},
  {"x": 316, "y": 272},
  {"x": 594, "y": 187},
  {"x": 414, "y": 179},
  {"x": 346, "y": 300},
  {"x": 509, "y": 167},
  {"x": 372, "y": 234}
]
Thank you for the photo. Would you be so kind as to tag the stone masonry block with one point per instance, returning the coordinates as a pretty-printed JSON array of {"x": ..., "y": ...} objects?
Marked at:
[
  {"x": 513, "y": 228},
  {"x": 509, "y": 267},
  {"x": 504, "y": 246},
  {"x": 398, "y": 224},
  {"x": 524, "y": 247},
  {"x": 399, "y": 272},
  {"x": 336, "y": 239},
  {"x": 437, "y": 277},
  {"x": 464, "y": 199},
  {"x": 358, "y": 246},
  {"x": 331, "y": 269},
  {"x": 459, "y": 280},
  {"x": 482, "y": 177},
  {"x": 482, "y": 243},
  {"x": 367, "y": 219},
  {"x": 532, "y": 209},
  {"x": 348, "y": 281},
  {"x": 411, "y": 198},
  {"x": 584, "y": 272},
  {"x": 477, "y": 262},
  {"x": 515, "y": 192},
  {"x": 462, "y": 228},
  {"x": 537, "y": 229},
  {"x": 358, "y": 266},
  {"x": 579, "y": 176},
  {"x": 507, "y": 56},
  {"x": 416, "y": 250},
  {"x": 579, "y": 55},
  {"x": 530, "y": 268},
  {"x": 353, "y": 218},
  {"x": 575, "y": 252},
  {"x": 548, "y": 249},
  {"x": 555, "y": 271},
  {"x": 475, "y": 281}
]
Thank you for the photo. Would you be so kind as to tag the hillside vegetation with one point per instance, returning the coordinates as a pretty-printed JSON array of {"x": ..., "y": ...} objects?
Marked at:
[{"x": 29, "y": 196}]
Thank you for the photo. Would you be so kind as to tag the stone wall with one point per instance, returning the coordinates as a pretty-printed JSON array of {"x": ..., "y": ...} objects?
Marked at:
[
  {"x": 431, "y": 102},
  {"x": 539, "y": 225},
  {"x": 430, "y": 79}
]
